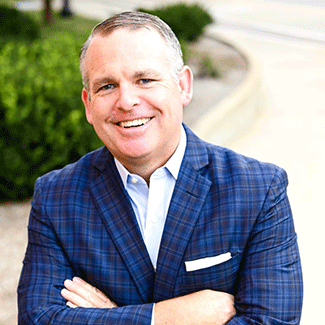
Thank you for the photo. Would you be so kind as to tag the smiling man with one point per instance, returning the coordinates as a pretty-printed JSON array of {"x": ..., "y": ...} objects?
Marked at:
[
  {"x": 132, "y": 99},
  {"x": 157, "y": 227}
]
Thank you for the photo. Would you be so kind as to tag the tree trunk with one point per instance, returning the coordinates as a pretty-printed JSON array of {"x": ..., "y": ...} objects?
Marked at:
[
  {"x": 47, "y": 12},
  {"x": 66, "y": 11}
]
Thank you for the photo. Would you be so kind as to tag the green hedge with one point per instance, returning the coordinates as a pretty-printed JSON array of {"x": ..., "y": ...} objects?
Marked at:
[
  {"x": 186, "y": 21},
  {"x": 43, "y": 125},
  {"x": 16, "y": 24},
  {"x": 42, "y": 120}
]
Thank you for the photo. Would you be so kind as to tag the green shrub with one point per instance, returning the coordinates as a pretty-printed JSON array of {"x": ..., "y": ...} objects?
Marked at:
[
  {"x": 207, "y": 68},
  {"x": 17, "y": 24},
  {"x": 185, "y": 50},
  {"x": 187, "y": 21},
  {"x": 43, "y": 125}
]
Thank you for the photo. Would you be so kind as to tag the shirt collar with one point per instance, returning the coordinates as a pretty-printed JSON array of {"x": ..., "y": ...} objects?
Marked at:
[
  {"x": 175, "y": 161},
  {"x": 173, "y": 164}
]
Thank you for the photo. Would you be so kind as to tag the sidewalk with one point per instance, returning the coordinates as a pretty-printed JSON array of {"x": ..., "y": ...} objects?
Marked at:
[
  {"x": 298, "y": 21},
  {"x": 291, "y": 133}
]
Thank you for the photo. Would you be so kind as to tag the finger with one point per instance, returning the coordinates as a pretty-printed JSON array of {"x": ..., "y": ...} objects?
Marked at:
[
  {"x": 74, "y": 299},
  {"x": 71, "y": 305},
  {"x": 81, "y": 296},
  {"x": 91, "y": 288},
  {"x": 86, "y": 296}
]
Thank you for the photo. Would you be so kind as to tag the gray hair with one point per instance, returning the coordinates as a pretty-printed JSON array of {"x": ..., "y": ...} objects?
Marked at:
[{"x": 135, "y": 20}]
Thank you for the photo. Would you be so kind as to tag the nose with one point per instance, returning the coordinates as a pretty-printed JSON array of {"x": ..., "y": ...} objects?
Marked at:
[{"x": 128, "y": 97}]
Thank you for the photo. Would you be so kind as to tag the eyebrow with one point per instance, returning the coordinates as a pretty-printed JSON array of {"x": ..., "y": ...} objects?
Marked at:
[{"x": 146, "y": 73}]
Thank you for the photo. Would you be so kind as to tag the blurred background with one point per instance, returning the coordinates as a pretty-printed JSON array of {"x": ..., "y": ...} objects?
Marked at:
[{"x": 259, "y": 89}]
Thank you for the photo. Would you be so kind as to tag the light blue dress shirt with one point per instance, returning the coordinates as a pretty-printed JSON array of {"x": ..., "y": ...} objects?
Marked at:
[{"x": 151, "y": 204}]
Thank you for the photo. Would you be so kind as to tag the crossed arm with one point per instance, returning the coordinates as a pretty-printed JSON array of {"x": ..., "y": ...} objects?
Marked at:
[
  {"x": 203, "y": 307},
  {"x": 269, "y": 290},
  {"x": 46, "y": 266}
]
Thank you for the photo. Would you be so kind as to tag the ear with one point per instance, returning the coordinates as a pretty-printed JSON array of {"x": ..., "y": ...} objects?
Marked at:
[
  {"x": 186, "y": 85},
  {"x": 87, "y": 104}
]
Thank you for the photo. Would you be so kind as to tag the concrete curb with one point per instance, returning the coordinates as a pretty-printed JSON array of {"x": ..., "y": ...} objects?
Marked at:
[{"x": 233, "y": 115}]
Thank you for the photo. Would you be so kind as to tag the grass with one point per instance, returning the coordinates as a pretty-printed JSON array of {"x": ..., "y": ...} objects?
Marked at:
[
  {"x": 76, "y": 25},
  {"x": 81, "y": 27}
]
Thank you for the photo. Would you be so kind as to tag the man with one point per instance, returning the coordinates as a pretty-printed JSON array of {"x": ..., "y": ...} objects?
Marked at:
[{"x": 157, "y": 227}]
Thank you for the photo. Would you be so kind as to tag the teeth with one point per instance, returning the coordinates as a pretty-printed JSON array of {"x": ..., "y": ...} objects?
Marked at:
[{"x": 129, "y": 124}]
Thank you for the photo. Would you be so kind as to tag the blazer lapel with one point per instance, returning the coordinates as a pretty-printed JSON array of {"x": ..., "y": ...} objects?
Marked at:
[
  {"x": 188, "y": 198},
  {"x": 119, "y": 219}
]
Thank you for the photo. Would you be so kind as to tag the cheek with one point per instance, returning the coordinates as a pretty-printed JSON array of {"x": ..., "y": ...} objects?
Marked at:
[
  {"x": 165, "y": 100},
  {"x": 101, "y": 110}
]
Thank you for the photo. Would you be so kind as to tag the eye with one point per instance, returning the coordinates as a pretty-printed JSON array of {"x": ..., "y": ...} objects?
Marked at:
[
  {"x": 145, "y": 81},
  {"x": 106, "y": 87}
]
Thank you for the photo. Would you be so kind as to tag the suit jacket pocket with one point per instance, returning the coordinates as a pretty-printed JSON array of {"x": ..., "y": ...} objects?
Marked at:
[{"x": 220, "y": 277}]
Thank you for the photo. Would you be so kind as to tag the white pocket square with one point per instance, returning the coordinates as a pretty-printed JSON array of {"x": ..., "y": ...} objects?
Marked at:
[{"x": 203, "y": 263}]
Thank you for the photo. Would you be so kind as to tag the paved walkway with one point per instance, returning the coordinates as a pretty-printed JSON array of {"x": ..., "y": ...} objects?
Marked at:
[
  {"x": 291, "y": 133},
  {"x": 291, "y": 130}
]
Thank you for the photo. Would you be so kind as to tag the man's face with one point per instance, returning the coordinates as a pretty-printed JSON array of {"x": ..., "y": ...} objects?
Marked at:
[{"x": 134, "y": 103}]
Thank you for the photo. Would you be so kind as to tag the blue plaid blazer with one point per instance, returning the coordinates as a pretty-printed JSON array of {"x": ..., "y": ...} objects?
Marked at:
[{"x": 82, "y": 224}]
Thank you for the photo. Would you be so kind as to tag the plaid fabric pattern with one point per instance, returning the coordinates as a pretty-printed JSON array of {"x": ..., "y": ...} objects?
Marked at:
[{"x": 82, "y": 224}]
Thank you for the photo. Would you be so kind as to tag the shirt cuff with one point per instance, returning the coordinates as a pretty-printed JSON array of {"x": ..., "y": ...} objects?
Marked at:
[{"x": 153, "y": 315}]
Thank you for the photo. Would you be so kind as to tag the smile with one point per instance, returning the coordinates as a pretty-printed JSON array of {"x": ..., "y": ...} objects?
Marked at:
[{"x": 134, "y": 123}]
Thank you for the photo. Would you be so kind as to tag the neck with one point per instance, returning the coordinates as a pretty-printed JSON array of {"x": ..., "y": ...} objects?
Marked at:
[{"x": 145, "y": 167}]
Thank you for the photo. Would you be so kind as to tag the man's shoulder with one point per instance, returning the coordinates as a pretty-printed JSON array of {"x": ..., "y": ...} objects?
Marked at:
[
  {"x": 241, "y": 169},
  {"x": 75, "y": 173},
  {"x": 222, "y": 162}
]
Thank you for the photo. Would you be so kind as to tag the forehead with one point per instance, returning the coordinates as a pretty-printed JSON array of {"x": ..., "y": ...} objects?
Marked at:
[
  {"x": 127, "y": 51},
  {"x": 134, "y": 43}
]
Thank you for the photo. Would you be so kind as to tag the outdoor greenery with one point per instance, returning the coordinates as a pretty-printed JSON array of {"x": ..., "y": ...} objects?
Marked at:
[
  {"x": 42, "y": 120},
  {"x": 15, "y": 24},
  {"x": 186, "y": 21},
  {"x": 43, "y": 124},
  {"x": 206, "y": 68}
]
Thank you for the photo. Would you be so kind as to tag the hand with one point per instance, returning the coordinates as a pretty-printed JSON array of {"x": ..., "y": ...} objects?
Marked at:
[
  {"x": 200, "y": 308},
  {"x": 81, "y": 294}
]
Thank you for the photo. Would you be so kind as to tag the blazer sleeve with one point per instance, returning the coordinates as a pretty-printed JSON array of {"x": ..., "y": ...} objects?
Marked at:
[
  {"x": 270, "y": 289},
  {"x": 44, "y": 270}
]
